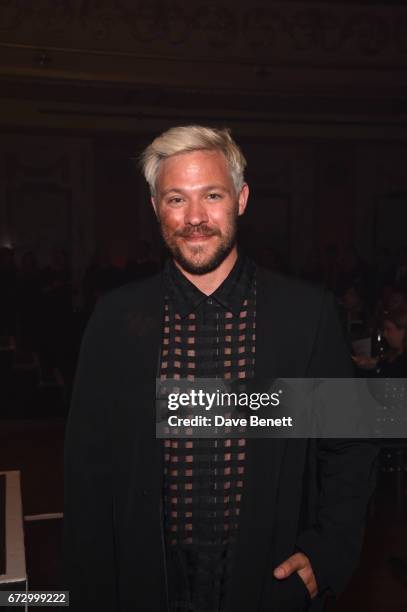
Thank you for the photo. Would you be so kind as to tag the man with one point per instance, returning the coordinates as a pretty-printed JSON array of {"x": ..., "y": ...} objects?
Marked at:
[{"x": 206, "y": 525}]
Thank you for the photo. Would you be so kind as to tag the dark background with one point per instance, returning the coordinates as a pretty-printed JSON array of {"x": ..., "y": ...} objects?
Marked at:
[{"x": 316, "y": 95}]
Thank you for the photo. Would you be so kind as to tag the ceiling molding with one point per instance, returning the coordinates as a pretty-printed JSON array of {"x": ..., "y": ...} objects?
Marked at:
[{"x": 204, "y": 42}]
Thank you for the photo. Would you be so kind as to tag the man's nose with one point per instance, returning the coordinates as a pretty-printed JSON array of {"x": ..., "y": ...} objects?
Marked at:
[{"x": 195, "y": 212}]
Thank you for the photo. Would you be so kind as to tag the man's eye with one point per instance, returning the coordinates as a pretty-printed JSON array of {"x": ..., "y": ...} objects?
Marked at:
[
  {"x": 175, "y": 200},
  {"x": 214, "y": 196}
]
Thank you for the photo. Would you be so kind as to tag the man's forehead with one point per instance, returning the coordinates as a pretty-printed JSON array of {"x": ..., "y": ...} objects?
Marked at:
[{"x": 192, "y": 166}]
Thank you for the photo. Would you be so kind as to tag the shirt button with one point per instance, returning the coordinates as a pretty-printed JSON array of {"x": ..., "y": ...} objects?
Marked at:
[{"x": 209, "y": 300}]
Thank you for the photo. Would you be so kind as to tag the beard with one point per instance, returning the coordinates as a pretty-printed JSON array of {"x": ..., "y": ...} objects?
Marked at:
[{"x": 197, "y": 260}]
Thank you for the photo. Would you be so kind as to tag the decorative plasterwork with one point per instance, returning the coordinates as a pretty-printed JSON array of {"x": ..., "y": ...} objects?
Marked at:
[{"x": 266, "y": 31}]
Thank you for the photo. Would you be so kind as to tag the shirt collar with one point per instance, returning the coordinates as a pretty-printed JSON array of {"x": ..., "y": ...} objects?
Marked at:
[{"x": 185, "y": 297}]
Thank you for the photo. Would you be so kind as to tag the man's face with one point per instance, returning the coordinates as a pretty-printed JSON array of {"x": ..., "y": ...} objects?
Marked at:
[
  {"x": 394, "y": 335},
  {"x": 197, "y": 207}
]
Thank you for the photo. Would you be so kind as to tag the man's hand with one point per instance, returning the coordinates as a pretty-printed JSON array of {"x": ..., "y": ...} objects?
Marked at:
[
  {"x": 301, "y": 564},
  {"x": 367, "y": 363}
]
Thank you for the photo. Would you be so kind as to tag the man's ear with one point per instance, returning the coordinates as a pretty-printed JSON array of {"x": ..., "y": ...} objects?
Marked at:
[{"x": 243, "y": 197}]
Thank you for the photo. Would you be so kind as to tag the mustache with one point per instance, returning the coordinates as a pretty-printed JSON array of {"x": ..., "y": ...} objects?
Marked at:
[{"x": 196, "y": 230}]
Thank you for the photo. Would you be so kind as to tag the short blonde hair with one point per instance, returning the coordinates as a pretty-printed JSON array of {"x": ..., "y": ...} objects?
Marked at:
[{"x": 188, "y": 138}]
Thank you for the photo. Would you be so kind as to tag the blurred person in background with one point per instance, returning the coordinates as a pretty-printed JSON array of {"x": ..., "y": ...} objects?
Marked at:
[
  {"x": 395, "y": 334},
  {"x": 392, "y": 363},
  {"x": 355, "y": 312}
]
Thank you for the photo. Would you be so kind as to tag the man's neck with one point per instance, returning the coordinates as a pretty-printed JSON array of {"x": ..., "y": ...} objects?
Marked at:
[{"x": 208, "y": 283}]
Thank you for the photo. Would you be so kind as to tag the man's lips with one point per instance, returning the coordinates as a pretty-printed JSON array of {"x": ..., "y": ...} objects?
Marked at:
[{"x": 197, "y": 237}]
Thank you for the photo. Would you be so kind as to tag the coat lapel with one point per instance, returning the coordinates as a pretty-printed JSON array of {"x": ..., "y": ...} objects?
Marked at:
[
  {"x": 139, "y": 450},
  {"x": 264, "y": 458},
  {"x": 149, "y": 321}
]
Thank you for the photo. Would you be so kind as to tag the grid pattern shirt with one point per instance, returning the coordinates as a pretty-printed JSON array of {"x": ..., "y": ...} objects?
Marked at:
[{"x": 205, "y": 337}]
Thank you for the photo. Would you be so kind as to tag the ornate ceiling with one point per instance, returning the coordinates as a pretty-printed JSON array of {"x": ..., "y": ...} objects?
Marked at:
[
  {"x": 322, "y": 32},
  {"x": 257, "y": 57}
]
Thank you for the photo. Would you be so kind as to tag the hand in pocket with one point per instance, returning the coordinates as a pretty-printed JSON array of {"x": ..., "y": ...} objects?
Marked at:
[{"x": 301, "y": 564}]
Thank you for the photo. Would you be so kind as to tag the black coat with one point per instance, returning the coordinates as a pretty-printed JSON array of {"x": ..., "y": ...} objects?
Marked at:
[{"x": 299, "y": 494}]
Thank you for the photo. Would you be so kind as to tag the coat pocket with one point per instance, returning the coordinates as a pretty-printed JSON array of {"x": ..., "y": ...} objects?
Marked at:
[{"x": 290, "y": 594}]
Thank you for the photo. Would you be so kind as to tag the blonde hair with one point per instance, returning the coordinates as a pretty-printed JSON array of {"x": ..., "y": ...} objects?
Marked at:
[{"x": 188, "y": 138}]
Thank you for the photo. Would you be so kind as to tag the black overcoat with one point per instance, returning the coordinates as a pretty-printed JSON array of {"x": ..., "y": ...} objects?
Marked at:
[{"x": 301, "y": 494}]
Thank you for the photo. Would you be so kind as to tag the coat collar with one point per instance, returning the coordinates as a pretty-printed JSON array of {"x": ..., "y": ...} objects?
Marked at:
[{"x": 185, "y": 297}]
